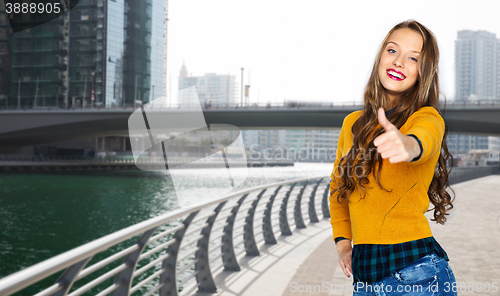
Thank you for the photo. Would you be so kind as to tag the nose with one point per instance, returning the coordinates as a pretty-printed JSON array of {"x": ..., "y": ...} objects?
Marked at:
[{"x": 398, "y": 61}]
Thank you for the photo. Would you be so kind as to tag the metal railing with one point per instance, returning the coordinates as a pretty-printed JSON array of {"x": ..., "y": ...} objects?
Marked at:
[
  {"x": 177, "y": 251},
  {"x": 180, "y": 251},
  {"x": 283, "y": 105},
  {"x": 463, "y": 174}
]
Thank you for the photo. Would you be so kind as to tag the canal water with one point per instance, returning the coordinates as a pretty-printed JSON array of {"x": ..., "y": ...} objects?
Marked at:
[{"x": 43, "y": 215}]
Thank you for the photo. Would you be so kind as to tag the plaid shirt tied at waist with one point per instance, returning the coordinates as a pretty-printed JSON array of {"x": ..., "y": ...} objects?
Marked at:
[{"x": 371, "y": 263}]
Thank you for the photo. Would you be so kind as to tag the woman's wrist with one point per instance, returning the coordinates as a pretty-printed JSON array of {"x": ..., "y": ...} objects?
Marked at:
[{"x": 344, "y": 245}]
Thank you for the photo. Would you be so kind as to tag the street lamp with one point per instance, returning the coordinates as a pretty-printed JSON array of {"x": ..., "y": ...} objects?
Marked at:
[
  {"x": 242, "y": 86},
  {"x": 92, "y": 92},
  {"x": 19, "y": 94},
  {"x": 135, "y": 91}
]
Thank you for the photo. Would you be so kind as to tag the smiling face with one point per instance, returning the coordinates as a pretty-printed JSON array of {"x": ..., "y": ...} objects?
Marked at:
[{"x": 398, "y": 68}]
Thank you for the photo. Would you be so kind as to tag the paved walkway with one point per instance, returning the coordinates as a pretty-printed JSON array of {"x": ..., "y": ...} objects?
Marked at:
[
  {"x": 471, "y": 237},
  {"x": 271, "y": 272}
]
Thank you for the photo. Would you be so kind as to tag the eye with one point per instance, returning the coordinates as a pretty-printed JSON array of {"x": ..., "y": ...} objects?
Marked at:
[
  {"x": 391, "y": 51},
  {"x": 415, "y": 59}
]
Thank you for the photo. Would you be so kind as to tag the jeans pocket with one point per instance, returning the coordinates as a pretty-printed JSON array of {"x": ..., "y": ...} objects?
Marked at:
[{"x": 418, "y": 273}]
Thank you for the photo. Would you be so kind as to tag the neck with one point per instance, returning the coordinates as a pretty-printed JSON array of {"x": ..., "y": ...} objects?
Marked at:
[
  {"x": 392, "y": 103},
  {"x": 391, "y": 99}
]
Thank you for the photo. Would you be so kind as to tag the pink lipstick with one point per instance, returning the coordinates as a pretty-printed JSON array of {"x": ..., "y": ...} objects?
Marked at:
[{"x": 394, "y": 75}]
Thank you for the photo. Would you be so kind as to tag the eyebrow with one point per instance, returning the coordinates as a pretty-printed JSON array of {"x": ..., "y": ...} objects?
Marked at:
[{"x": 398, "y": 45}]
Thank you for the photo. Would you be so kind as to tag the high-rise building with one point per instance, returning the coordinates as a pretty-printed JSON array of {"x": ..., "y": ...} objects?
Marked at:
[
  {"x": 116, "y": 55},
  {"x": 5, "y": 37},
  {"x": 39, "y": 64},
  {"x": 477, "y": 77},
  {"x": 144, "y": 50},
  {"x": 477, "y": 61},
  {"x": 250, "y": 137},
  {"x": 220, "y": 89}
]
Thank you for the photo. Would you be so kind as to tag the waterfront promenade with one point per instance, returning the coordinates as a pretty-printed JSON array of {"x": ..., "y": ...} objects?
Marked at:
[{"x": 471, "y": 237}]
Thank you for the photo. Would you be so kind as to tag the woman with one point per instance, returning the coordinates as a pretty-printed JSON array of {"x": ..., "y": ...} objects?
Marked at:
[{"x": 394, "y": 249}]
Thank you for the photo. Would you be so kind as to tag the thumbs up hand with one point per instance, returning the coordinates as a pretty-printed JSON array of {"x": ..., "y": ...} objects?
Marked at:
[{"x": 393, "y": 144}]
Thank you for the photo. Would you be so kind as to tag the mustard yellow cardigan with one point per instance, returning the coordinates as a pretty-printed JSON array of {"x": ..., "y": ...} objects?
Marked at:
[{"x": 390, "y": 217}]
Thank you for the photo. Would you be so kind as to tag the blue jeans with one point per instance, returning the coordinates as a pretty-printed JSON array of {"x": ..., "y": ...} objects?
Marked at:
[{"x": 429, "y": 275}]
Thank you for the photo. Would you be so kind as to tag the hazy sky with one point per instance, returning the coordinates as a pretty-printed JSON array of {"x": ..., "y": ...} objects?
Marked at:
[{"x": 313, "y": 51}]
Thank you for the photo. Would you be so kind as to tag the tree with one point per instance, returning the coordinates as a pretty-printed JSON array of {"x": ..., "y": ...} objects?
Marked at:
[
  {"x": 180, "y": 142},
  {"x": 205, "y": 142}
]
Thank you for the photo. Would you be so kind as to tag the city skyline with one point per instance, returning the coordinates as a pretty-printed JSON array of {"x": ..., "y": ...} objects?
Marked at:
[{"x": 282, "y": 68}]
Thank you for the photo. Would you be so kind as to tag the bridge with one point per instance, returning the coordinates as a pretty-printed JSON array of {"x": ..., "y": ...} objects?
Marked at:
[
  {"x": 266, "y": 240},
  {"x": 32, "y": 126}
]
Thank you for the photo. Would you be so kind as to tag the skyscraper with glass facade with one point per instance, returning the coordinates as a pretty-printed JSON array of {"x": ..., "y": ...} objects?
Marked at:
[
  {"x": 38, "y": 65},
  {"x": 116, "y": 55},
  {"x": 5, "y": 37}
]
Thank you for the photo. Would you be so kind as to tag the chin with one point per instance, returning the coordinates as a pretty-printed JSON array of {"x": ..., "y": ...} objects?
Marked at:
[{"x": 392, "y": 88}]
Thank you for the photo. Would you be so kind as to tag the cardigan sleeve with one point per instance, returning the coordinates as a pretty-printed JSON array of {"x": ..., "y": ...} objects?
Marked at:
[
  {"x": 428, "y": 126},
  {"x": 419, "y": 145},
  {"x": 337, "y": 239},
  {"x": 339, "y": 213}
]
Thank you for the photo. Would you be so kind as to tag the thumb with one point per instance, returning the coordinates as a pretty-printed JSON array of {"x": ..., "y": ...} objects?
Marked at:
[{"x": 383, "y": 120}]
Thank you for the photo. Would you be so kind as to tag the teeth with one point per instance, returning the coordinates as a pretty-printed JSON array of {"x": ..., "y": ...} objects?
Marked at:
[{"x": 396, "y": 74}]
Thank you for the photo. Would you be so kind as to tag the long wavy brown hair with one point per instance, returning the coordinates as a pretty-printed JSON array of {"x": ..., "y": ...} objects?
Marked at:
[{"x": 363, "y": 153}]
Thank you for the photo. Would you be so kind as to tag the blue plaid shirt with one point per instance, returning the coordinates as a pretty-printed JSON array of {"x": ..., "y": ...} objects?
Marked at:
[{"x": 371, "y": 263}]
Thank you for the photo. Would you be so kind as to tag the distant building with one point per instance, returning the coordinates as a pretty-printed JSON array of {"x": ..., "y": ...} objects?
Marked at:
[
  {"x": 220, "y": 89},
  {"x": 250, "y": 137},
  {"x": 296, "y": 145},
  {"x": 312, "y": 144},
  {"x": 494, "y": 143},
  {"x": 478, "y": 157},
  {"x": 477, "y": 66},
  {"x": 462, "y": 144},
  {"x": 477, "y": 77}
]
